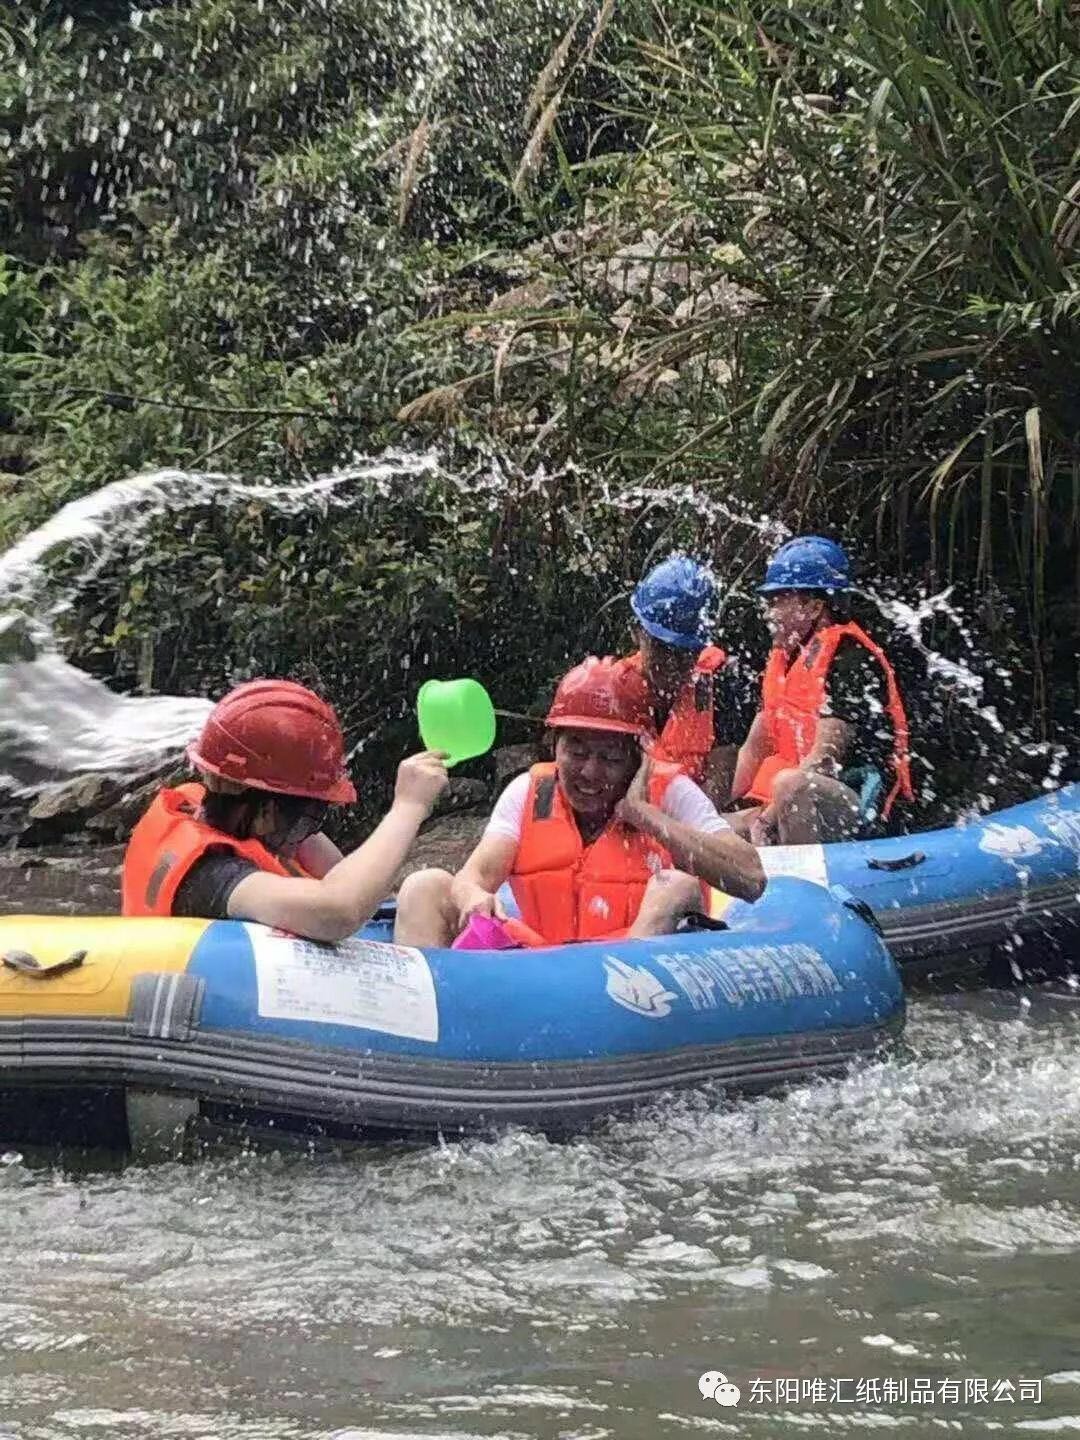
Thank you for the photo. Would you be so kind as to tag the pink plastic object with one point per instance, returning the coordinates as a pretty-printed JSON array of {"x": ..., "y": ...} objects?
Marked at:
[{"x": 484, "y": 932}]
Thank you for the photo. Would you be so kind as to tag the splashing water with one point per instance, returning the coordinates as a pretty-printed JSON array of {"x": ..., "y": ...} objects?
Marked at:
[
  {"x": 55, "y": 720},
  {"x": 58, "y": 722},
  {"x": 516, "y": 1286},
  {"x": 909, "y": 619},
  {"x": 90, "y": 522}
]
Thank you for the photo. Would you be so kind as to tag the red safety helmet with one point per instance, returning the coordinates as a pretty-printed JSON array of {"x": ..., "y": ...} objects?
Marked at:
[
  {"x": 602, "y": 695},
  {"x": 279, "y": 736}
]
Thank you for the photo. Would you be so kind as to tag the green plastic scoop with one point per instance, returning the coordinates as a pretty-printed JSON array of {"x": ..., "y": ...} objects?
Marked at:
[{"x": 456, "y": 716}]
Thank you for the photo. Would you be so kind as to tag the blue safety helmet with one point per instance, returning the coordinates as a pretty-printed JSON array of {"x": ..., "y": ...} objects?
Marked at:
[
  {"x": 675, "y": 601},
  {"x": 811, "y": 562}
]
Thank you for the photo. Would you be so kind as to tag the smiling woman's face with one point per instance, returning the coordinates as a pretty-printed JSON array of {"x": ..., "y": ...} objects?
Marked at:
[{"x": 595, "y": 768}]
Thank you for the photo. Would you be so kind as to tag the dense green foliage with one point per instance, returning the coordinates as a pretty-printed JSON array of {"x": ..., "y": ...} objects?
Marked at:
[{"x": 820, "y": 262}]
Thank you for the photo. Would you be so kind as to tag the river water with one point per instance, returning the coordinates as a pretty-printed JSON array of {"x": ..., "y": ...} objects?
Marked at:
[{"x": 912, "y": 1230}]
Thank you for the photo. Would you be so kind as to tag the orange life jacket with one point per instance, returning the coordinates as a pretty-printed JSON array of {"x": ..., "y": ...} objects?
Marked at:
[
  {"x": 568, "y": 890},
  {"x": 167, "y": 842},
  {"x": 689, "y": 732},
  {"x": 792, "y": 700}
]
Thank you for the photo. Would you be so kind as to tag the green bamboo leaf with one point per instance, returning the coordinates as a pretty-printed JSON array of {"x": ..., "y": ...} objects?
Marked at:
[{"x": 877, "y": 104}]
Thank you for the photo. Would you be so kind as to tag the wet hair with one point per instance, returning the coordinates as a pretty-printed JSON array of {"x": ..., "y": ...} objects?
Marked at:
[{"x": 235, "y": 813}]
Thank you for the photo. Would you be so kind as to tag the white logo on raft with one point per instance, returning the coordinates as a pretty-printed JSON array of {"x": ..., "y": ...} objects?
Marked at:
[
  {"x": 751, "y": 975},
  {"x": 1011, "y": 842},
  {"x": 637, "y": 989}
]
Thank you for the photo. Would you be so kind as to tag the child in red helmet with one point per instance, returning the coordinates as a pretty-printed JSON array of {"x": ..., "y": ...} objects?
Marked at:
[
  {"x": 602, "y": 843},
  {"x": 246, "y": 843}
]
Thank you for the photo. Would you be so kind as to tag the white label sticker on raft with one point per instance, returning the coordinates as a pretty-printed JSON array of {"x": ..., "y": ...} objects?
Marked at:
[
  {"x": 359, "y": 982},
  {"x": 805, "y": 862}
]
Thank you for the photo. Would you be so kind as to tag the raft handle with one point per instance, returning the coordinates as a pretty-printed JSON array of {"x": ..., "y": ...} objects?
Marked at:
[
  {"x": 905, "y": 862},
  {"x": 27, "y": 964},
  {"x": 864, "y": 912},
  {"x": 696, "y": 921}
]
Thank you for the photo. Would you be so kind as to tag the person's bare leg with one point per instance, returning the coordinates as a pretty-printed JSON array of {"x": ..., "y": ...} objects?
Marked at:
[
  {"x": 813, "y": 809},
  {"x": 425, "y": 915},
  {"x": 669, "y": 896}
]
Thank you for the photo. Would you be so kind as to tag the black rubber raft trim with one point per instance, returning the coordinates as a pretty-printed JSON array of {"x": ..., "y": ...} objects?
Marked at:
[
  {"x": 408, "y": 1093},
  {"x": 954, "y": 927}
]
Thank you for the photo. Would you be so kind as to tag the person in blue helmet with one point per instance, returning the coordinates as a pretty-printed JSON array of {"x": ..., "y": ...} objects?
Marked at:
[
  {"x": 692, "y": 684},
  {"x": 831, "y": 732}
]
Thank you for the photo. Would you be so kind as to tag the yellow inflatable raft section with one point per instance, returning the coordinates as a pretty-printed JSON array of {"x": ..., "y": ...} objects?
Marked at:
[{"x": 116, "y": 950}]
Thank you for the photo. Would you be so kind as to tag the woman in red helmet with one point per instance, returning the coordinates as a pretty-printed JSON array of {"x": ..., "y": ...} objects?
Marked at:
[
  {"x": 246, "y": 843},
  {"x": 602, "y": 843}
]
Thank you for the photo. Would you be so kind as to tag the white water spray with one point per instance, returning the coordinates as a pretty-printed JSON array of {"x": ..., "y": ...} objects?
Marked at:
[
  {"x": 57, "y": 722},
  {"x": 91, "y": 522}
]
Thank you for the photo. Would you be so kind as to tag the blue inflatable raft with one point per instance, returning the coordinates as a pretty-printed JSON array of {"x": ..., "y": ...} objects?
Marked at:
[
  {"x": 235, "y": 1022},
  {"x": 951, "y": 902}
]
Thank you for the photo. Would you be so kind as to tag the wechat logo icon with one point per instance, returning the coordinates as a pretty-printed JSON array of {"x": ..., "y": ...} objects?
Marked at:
[{"x": 714, "y": 1385}]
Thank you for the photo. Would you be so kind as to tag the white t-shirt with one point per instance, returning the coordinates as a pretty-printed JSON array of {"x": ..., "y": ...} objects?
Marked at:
[{"x": 683, "y": 800}]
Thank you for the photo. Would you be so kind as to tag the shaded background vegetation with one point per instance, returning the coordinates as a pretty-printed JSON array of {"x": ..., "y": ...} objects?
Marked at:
[{"x": 677, "y": 267}]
